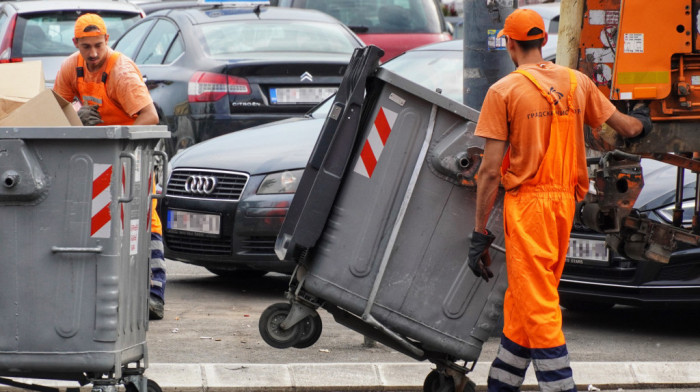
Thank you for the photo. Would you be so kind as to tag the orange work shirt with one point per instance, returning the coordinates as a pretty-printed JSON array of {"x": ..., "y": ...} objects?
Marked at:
[
  {"x": 514, "y": 111},
  {"x": 124, "y": 85}
]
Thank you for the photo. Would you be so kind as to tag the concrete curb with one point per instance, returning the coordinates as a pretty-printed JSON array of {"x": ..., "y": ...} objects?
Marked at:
[
  {"x": 400, "y": 376},
  {"x": 395, "y": 377}
]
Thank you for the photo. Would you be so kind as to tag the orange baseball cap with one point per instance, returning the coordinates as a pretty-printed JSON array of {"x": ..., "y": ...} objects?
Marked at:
[
  {"x": 520, "y": 22},
  {"x": 86, "y": 20}
]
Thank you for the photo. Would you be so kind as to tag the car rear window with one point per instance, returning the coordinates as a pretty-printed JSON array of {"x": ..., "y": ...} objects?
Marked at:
[
  {"x": 224, "y": 38},
  {"x": 51, "y": 34},
  {"x": 372, "y": 16},
  {"x": 412, "y": 65}
]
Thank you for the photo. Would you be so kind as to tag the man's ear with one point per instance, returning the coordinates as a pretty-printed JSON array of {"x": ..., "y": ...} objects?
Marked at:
[
  {"x": 546, "y": 37},
  {"x": 75, "y": 42},
  {"x": 107, "y": 39}
]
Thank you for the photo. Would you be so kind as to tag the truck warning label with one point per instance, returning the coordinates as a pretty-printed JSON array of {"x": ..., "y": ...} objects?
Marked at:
[{"x": 634, "y": 43}]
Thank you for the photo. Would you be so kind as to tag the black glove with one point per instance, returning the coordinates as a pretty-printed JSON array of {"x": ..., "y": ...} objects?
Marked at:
[
  {"x": 640, "y": 111},
  {"x": 479, "y": 257},
  {"x": 89, "y": 115}
]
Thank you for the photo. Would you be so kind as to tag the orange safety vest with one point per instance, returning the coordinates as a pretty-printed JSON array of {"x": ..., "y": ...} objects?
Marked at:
[
  {"x": 538, "y": 216},
  {"x": 95, "y": 93}
]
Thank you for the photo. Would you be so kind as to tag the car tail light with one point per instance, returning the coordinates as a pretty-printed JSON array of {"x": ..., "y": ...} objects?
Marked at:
[
  {"x": 209, "y": 87},
  {"x": 6, "y": 44}
]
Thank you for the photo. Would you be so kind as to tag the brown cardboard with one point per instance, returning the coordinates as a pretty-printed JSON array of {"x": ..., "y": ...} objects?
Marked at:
[
  {"x": 22, "y": 80},
  {"x": 25, "y": 102},
  {"x": 47, "y": 109}
]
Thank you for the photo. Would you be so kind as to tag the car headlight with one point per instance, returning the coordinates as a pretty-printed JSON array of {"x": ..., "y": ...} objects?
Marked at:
[
  {"x": 688, "y": 207},
  {"x": 281, "y": 182}
]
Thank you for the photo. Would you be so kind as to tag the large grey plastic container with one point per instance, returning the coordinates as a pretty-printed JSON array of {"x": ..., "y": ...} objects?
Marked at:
[
  {"x": 75, "y": 232},
  {"x": 391, "y": 259}
]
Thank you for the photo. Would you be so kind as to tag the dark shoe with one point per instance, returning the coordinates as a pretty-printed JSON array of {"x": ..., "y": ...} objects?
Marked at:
[{"x": 156, "y": 308}]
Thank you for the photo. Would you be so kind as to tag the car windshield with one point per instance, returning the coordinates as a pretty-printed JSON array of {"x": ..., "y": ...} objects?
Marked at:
[
  {"x": 372, "y": 16},
  {"x": 225, "y": 38},
  {"x": 432, "y": 69},
  {"x": 51, "y": 34}
]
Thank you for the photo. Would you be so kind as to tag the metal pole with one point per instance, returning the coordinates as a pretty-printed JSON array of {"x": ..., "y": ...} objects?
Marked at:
[{"x": 485, "y": 57}]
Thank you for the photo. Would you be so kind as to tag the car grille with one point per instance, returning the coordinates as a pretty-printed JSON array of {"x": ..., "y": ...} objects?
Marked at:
[
  {"x": 199, "y": 245},
  {"x": 258, "y": 245},
  {"x": 229, "y": 185}
]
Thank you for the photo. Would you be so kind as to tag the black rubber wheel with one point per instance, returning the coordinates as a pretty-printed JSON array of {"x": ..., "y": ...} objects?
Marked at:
[
  {"x": 270, "y": 330},
  {"x": 151, "y": 385},
  {"x": 311, "y": 328},
  {"x": 438, "y": 382}
]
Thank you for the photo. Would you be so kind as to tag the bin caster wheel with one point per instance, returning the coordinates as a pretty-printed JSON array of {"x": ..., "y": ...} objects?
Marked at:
[
  {"x": 151, "y": 386},
  {"x": 440, "y": 382},
  {"x": 311, "y": 328},
  {"x": 271, "y": 331}
]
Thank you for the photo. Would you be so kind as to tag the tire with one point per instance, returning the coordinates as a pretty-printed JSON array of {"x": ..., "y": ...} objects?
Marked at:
[
  {"x": 438, "y": 382},
  {"x": 272, "y": 333},
  {"x": 584, "y": 306},
  {"x": 151, "y": 386},
  {"x": 237, "y": 274},
  {"x": 311, "y": 328}
]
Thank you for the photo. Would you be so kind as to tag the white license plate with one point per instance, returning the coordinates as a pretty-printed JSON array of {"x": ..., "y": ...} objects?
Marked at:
[
  {"x": 194, "y": 222},
  {"x": 587, "y": 251},
  {"x": 298, "y": 95}
]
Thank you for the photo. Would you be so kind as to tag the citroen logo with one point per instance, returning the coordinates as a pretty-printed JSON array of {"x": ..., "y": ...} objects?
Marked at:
[
  {"x": 203, "y": 185},
  {"x": 306, "y": 76}
]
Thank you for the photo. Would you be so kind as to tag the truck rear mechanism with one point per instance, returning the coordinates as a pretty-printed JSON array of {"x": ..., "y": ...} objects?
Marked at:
[{"x": 642, "y": 51}]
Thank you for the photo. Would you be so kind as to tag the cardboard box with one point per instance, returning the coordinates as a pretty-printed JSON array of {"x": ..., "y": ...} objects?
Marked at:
[{"x": 25, "y": 102}]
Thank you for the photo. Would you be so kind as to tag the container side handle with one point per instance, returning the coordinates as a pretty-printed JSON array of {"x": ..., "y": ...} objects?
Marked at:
[
  {"x": 68, "y": 249},
  {"x": 164, "y": 175},
  {"x": 132, "y": 168}
]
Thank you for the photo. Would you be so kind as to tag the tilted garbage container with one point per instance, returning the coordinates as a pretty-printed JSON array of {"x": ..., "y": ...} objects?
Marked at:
[
  {"x": 386, "y": 252},
  {"x": 75, "y": 233}
]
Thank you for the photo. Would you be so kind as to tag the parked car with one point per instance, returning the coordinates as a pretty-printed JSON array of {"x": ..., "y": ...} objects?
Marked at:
[
  {"x": 43, "y": 30},
  {"x": 213, "y": 69},
  {"x": 395, "y": 26},
  {"x": 596, "y": 278},
  {"x": 226, "y": 198}
]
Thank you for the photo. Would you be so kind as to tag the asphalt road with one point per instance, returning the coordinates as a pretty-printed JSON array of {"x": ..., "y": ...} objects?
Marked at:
[{"x": 213, "y": 320}]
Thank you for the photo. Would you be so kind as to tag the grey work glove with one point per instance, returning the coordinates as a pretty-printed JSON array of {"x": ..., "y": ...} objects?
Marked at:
[
  {"x": 89, "y": 115},
  {"x": 479, "y": 258},
  {"x": 640, "y": 111}
]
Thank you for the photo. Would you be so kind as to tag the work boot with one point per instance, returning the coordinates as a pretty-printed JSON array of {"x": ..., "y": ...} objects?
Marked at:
[{"x": 156, "y": 307}]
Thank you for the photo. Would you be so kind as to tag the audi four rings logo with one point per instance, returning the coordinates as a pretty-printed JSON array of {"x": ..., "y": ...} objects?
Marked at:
[{"x": 203, "y": 185}]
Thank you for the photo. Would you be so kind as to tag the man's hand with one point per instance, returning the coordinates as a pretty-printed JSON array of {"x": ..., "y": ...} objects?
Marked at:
[
  {"x": 89, "y": 115},
  {"x": 479, "y": 257},
  {"x": 640, "y": 111}
]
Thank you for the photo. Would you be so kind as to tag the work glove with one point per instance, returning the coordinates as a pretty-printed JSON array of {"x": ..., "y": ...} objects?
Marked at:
[
  {"x": 479, "y": 258},
  {"x": 89, "y": 115},
  {"x": 640, "y": 111}
]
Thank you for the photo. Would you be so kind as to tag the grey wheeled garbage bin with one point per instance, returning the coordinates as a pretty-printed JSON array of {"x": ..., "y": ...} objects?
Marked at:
[
  {"x": 75, "y": 211},
  {"x": 390, "y": 255}
]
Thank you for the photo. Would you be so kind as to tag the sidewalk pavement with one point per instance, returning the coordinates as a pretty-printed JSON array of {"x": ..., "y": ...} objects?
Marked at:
[
  {"x": 394, "y": 377},
  {"x": 334, "y": 377}
]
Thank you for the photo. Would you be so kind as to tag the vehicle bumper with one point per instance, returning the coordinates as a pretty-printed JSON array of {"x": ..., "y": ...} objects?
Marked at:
[{"x": 249, "y": 230}]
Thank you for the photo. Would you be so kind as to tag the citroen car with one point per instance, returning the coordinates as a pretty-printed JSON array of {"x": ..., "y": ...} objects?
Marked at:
[
  {"x": 226, "y": 198},
  {"x": 215, "y": 68}
]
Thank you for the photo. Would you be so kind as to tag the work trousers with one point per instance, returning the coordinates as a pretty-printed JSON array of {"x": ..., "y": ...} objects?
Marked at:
[
  {"x": 157, "y": 265},
  {"x": 537, "y": 225}
]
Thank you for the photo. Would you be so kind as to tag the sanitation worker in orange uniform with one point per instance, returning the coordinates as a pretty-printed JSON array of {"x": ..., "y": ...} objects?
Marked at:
[
  {"x": 532, "y": 120},
  {"x": 111, "y": 91}
]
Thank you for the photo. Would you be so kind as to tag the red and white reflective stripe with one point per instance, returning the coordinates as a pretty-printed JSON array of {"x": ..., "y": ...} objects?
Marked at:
[
  {"x": 101, "y": 200},
  {"x": 376, "y": 140}
]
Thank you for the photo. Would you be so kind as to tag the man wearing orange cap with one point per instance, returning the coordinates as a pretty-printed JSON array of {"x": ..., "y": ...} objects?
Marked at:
[
  {"x": 111, "y": 91},
  {"x": 532, "y": 120}
]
